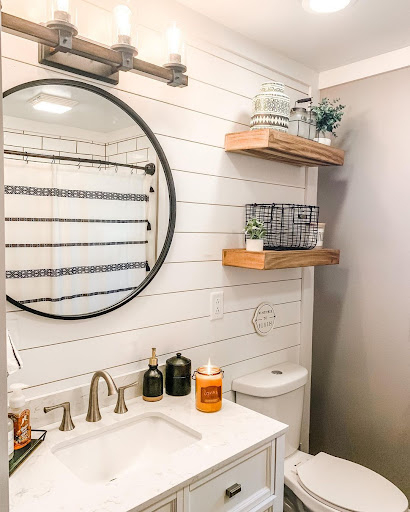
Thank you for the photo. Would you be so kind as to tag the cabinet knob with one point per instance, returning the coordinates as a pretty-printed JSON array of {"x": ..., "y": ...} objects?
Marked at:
[{"x": 232, "y": 490}]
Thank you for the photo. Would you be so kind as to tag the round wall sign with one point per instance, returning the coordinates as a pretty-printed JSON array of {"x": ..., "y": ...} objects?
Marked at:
[{"x": 264, "y": 318}]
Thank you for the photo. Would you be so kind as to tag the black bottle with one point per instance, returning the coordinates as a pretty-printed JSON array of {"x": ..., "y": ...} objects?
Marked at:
[{"x": 153, "y": 385}]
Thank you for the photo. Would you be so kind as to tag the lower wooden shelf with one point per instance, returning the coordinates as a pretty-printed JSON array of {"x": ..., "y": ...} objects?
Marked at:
[{"x": 268, "y": 260}]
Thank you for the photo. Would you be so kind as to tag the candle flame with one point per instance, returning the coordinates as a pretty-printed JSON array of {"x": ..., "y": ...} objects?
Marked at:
[{"x": 208, "y": 367}]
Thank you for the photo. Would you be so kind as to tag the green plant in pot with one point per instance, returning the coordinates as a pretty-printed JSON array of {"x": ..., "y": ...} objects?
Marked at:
[
  {"x": 254, "y": 231},
  {"x": 328, "y": 116}
]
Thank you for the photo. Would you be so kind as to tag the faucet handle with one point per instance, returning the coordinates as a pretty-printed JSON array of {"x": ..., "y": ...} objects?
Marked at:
[
  {"x": 66, "y": 423},
  {"x": 121, "y": 406}
]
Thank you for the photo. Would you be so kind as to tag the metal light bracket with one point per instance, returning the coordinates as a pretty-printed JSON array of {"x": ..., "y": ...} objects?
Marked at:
[
  {"x": 62, "y": 59},
  {"x": 127, "y": 54},
  {"x": 178, "y": 69},
  {"x": 177, "y": 79},
  {"x": 65, "y": 41},
  {"x": 60, "y": 56},
  {"x": 66, "y": 31}
]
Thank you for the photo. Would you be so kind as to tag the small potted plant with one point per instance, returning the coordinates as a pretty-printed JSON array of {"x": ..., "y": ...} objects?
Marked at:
[
  {"x": 328, "y": 116},
  {"x": 255, "y": 232}
]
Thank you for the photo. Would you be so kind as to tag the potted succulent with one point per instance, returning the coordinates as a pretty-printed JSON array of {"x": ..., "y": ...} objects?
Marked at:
[
  {"x": 328, "y": 116},
  {"x": 255, "y": 232}
]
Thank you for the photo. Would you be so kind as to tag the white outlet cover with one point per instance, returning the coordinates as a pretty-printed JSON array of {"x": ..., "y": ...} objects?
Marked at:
[
  {"x": 217, "y": 305},
  {"x": 264, "y": 318}
]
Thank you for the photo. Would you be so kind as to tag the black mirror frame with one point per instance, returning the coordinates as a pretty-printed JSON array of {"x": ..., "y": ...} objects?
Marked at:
[{"x": 169, "y": 179}]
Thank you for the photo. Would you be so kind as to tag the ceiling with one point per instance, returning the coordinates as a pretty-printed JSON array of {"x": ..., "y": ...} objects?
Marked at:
[
  {"x": 320, "y": 41},
  {"x": 93, "y": 112}
]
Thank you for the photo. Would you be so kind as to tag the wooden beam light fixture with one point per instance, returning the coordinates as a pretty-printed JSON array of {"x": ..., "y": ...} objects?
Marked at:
[{"x": 60, "y": 47}]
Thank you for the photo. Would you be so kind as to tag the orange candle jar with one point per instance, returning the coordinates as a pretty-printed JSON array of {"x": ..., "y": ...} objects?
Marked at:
[{"x": 208, "y": 386}]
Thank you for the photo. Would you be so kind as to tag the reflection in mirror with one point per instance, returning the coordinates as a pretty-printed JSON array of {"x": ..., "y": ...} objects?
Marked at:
[{"x": 84, "y": 223}]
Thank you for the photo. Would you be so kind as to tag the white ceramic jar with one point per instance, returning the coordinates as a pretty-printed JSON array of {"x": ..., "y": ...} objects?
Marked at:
[
  {"x": 320, "y": 234},
  {"x": 271, "y": 108}
]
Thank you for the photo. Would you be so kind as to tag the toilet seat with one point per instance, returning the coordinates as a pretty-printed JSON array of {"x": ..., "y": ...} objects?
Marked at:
[{"x": 348, "y": 487}]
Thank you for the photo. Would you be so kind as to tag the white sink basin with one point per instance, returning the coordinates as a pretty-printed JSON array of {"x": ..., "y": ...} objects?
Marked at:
[{"x": 103, "y": 455}]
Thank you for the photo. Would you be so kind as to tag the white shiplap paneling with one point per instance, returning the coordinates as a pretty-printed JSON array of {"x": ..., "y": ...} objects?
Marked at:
[{"x": 212, "y": 187}]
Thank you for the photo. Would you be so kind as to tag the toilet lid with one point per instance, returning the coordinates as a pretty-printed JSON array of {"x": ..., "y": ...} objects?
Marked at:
[{"x": 347, "y": 486}]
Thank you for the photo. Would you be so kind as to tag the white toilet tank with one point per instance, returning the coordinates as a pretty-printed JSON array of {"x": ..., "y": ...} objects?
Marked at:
[{"x": 276, "y": 392}]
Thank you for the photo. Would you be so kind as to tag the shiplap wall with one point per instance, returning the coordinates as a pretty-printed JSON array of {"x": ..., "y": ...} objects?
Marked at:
[{"x": 211, "y": 186}]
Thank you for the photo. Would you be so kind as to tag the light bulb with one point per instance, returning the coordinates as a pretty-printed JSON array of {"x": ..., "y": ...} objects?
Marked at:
[
  {"x": 63, "y": 10},
  {"x": 63, "y": 5},
  {"x": 174, "y": 37},
  {"x": 124, "y": 27},
  {"x": 122, "y": 20},
  {"x": 175, "y": 49},
  {"x": 325, "y": 6}
]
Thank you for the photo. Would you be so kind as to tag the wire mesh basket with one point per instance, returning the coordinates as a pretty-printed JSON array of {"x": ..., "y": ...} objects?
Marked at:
[{"x": 288, "y": 226}]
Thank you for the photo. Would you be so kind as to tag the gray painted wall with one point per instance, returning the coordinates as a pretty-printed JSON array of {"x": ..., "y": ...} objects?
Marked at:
[{"x": 361, "y": 350}]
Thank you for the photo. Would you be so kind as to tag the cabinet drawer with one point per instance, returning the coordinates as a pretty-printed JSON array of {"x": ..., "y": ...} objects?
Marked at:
[{"x": 252, "y": 473}]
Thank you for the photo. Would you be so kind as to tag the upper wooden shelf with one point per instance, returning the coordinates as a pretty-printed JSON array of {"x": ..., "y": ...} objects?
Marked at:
[
  {"x": 283, "y": 147},
  {"x": 268, "y": 260}
]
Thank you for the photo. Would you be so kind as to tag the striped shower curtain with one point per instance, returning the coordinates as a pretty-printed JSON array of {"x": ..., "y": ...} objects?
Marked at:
[{"x": 76, "y": 238}]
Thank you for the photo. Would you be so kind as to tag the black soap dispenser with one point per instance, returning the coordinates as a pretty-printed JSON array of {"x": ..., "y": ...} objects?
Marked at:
[{"x": 153, "y": 385}]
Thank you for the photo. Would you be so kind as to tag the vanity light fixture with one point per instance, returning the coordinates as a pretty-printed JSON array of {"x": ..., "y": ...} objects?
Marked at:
[
  {"x": 175, "y": 49},
  {"x": 325, "y": 6},
  {"x": 52, "y": 104},
  {"x": 59, "y": 46}
]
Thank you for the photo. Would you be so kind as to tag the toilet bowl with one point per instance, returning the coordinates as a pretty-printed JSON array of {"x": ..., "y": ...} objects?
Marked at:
[{"x": 320, "y": 483}]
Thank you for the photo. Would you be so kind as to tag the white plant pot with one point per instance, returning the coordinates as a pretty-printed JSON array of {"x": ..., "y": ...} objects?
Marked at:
[
  {"x": 254, "y": 245},
  {"x": 323, "y": 140}
]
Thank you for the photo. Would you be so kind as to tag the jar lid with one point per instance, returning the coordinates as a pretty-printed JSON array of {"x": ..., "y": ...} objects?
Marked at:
[
  {"x": 299, "y": 109},
  {"x": 178, "y": 360},
  {"x": 209, "y": 370}
]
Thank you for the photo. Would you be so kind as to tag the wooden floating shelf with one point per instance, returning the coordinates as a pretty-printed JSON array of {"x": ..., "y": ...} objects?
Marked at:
[
  {"x": 268, "y": 260},
  {"x": 283, "y": 147}
]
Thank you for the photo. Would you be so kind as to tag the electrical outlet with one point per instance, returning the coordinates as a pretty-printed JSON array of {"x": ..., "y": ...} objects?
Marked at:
[{"x": 217, "y": 305}]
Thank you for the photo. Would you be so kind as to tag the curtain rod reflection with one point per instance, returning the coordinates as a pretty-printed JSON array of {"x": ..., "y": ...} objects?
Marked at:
[{"x": 148, "y": 168}]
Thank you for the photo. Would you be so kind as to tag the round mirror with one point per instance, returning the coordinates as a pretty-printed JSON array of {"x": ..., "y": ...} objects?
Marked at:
[{"x": 89, "y": 200}]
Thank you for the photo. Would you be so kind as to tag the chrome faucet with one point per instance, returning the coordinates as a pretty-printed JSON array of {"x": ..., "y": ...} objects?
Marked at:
[{"x": 93, "y": 413}]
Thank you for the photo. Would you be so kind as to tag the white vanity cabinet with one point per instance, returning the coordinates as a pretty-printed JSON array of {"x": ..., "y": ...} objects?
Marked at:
[
  {"x": 229, "y": 462},
  {"x": 173, "y": 503},
  {"x": 253, "y": 481}
]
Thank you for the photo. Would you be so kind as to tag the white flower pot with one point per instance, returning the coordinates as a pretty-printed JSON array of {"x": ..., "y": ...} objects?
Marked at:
[
  {"x": 254, "y": 245},
  {"x": 323, "y": 140}
]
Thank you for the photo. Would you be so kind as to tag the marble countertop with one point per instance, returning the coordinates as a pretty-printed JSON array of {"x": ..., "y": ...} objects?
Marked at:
[{"x": 44, "y": 484}]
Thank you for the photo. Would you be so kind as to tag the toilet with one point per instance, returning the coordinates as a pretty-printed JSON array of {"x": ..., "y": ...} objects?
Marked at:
[{"x": 320, "y": 483}]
